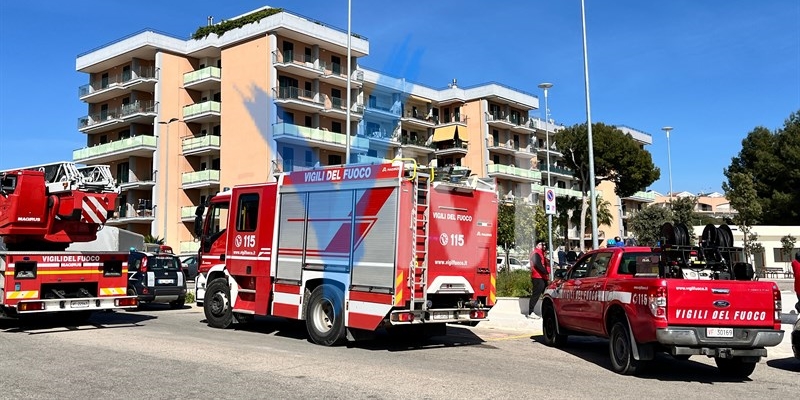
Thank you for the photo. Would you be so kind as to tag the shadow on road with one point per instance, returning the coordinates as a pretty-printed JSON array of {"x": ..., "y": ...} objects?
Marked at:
[
  {"x": 787, "y": 364},
  {"x": 662, "y": 368},
  {"x": 37, "y": 324}
]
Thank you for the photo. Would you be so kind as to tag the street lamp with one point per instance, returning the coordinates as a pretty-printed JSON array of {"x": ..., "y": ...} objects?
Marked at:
[
  {"x": 166, "y": 176},
  {"x": 595, "y": 245},
  {"x": 669, "y": 163},
  {"x": 347, "y": 118},
  {"x": 545, "y": 86}
]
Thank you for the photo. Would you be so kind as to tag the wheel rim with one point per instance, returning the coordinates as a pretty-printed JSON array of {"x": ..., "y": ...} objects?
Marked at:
[
  {"x": 219, "y": 303},
  {"x": 323, "y": 316},
  {"x": 620, "y": 349},
  {"x": 549, "y": 326}
]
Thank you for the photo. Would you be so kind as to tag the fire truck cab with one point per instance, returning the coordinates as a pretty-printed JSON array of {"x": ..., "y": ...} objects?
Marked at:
[{"x": 351, "y": 249}]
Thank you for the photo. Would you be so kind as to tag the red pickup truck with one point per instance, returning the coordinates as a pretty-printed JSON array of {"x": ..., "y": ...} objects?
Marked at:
[{"x": 629, "y": 295}]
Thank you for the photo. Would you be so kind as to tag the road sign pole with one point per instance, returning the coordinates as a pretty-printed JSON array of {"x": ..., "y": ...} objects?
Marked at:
[{"x": 550, "y": 210}]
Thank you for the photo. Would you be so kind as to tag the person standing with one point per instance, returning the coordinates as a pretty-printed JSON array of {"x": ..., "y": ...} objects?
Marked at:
[
  {"x": 540, "y": 276},
  {"x": 796, "y": 273}
]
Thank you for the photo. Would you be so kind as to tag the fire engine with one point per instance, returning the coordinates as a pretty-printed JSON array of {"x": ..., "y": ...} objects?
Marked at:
[
  {"x": 43, "y": 209},
  {"x": 352, "y": 249}
]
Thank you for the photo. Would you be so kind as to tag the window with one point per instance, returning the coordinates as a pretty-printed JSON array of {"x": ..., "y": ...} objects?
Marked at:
[
  {"x": 599, "y": 264},
  {"x": 334, "y": 159},
  {"x": 308, "y": 86},
  {"x": 308, "y": 57},
  {"x": 8, "y": 183},
  {"x": 247, "y": 213},
  {"x": 126, "y": 73},
  {"x": 308, "y": 121},
  {"x": 336, "y": 66},
  {"x": 336, "y": 127},
  {"x": 219, "y": 218},
  {"x": 104, "y": 81},
  {"x": 288, "y": 51},
  {"x": 123, "y": 172},
  {"x": 580, "y": 269},
  {"x": 638, "y": 263}
]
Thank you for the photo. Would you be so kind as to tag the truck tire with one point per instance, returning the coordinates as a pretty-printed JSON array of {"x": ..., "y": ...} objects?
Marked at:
[
  {"x": 619, "y": 346},
  {"x": 176, "y": 304},
  {"x": 735, "y": 367},
  {"x": 217, "y": 304},
  {"x": 549, "y": 327},
  {"x": 325, "y": 315}
]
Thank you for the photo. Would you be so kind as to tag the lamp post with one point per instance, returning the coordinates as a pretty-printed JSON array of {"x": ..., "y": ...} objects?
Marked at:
[
  {"x": 347, "y": 118},
  {"x": 545, "y": 86},
  {"x": 589, "y": 126},
  {"x": 166, "y": 176},
  {"x": 669, "y": 163}
]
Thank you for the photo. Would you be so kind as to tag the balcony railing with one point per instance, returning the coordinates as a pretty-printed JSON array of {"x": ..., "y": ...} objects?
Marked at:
[
  {"x": 199, "y": 75},
  {"x": 209, "y": 175},
  {"x": 119, "y": 146},
  {"x": 117, "y": 80},
  {"x": 644, "y": 196},
  {"x": 556, "y": 170},
  {"x": 416, "y": 142},
  {"x": 451, "y": 145},
  {"x": 319, "y": 135},
  {"x": 189, "y": 247},
  {"x": 294, "y": 93},
  {"x": 515, "y": 171},
  {"x": 560, "y": 192},
  {"x": 127, "y": 110},
  {"x": 188, "y": 212},
  {"x": 201, "y": 108},
  {"x": 190, "y": 143}
]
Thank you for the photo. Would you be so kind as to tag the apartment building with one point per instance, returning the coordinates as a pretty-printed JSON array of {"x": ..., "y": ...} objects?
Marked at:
[{"x": 179, "y": 120}]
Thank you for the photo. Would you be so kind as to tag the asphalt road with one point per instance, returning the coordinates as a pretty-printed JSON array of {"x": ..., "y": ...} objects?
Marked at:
[{"x": 160, "y": 353}]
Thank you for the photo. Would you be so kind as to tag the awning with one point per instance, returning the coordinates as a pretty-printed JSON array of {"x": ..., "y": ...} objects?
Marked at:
[{"x": 447, "y": 133}]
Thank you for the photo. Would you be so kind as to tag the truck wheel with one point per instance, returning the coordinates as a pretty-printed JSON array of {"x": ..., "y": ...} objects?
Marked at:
[
  {"x": 325, "y": 315},
  {"x": 176, "y": 304},
  {"x": 549, "y": 326},
  {"x": 735, "y": 367},
  {"x": 217, "y": 304},
  {"x": 619, "y": 346}
]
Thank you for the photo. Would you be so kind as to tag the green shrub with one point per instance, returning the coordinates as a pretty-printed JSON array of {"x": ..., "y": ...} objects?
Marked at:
[
  {"x": 224, "y": 26},
  {"x": 514, "y": 283},
  {"x": 189, "y": 297}
]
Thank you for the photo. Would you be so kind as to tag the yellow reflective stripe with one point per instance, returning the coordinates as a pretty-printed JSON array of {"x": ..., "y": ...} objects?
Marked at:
[
  {"x": 493, "y": 290},
  {"x": 398, "y": 291},
  {"x": 23, "y": 294},
  {"x": 67, "y": 271},
  {"x": 112, "y": 291}
]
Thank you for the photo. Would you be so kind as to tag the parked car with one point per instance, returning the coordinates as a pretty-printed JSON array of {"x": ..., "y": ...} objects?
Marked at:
[
  {"x": 189, "y": 264},
  {"x": 156, "y": 277},
  {"x": 796, "y": 339},
  {"x": 513, "y": 264}
]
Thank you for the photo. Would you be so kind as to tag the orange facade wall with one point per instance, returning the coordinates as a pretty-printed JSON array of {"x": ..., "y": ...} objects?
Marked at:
[{"x": 246, "y": 143}]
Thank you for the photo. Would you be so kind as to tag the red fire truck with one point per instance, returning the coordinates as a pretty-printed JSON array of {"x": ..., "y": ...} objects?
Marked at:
[
  {"x": 42, "y": 210},
  {"x": 351, "y": 249}
]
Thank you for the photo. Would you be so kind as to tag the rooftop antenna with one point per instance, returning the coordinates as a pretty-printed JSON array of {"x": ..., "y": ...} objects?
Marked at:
[
  {"x": 210, "y": 20},
  {"x": 453, "y": 84}
]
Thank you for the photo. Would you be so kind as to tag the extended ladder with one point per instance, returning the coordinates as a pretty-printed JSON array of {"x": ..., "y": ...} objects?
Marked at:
[
  {"x": 418, "y": 275},
  {"x": 65, "y": 176}
]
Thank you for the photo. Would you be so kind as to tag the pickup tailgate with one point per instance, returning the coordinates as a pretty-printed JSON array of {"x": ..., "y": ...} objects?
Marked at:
[{"x": 722, "y": 303}]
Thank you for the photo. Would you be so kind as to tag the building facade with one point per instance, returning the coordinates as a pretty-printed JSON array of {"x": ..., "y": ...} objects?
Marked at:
[{"x": 179, "y": 120}]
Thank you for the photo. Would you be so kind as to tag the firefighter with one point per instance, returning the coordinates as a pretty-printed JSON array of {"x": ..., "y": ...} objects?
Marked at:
[
  {"x": 540, "y": 276},
  {"x": 796, "y": 273}
]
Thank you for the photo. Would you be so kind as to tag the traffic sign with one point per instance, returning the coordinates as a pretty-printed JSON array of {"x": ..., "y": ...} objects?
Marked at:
[{"x": 549, "y": 201}]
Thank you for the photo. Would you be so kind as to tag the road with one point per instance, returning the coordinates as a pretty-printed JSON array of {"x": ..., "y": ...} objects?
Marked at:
[{"x": 161, "y": 354}]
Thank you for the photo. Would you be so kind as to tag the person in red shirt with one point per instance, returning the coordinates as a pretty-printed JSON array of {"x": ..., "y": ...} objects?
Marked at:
[
  {"x": 540, "y": 276},
  {"x": 796, "y": 273}
]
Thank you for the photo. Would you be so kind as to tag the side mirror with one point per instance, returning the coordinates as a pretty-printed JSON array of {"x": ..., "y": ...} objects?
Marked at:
[
  {"x": 198, "y": 225},
  {"x": 560, "y": 273}
]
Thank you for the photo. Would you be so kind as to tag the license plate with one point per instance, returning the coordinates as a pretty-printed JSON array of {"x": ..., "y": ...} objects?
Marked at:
[
  {"x": 79, "y": 303},
  {"x": 719, "y": 332},
  {"x": 441, "y": 315},
  {"x": 166, "y": 281}
]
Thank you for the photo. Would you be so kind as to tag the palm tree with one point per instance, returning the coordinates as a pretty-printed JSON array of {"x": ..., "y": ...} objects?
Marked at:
[
  {"x": 604, "y": 216},
  {"x": 566, "y": 210},
  {"x": 153, "y": 239}
]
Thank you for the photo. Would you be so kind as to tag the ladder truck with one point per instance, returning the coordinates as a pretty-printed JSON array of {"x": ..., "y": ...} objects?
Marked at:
[
  {"x": 43, "y": 209},
  {"x": 351, "y": 249}
]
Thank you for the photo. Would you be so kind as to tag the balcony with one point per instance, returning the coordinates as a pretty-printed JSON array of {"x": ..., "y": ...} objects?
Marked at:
[
  {"x": 415, "y": 147},
  {"x": 336, "y": 106},
  {"x": 419, "y": 120},
  {"x": 645, "y": 197},
  {"x": 297, "y": 64},
  {"x": 202, "y": 80},
  {"x": 451, "y": 147},
  {"x": 299, "y": 99},
  {"x": 514, "y": 173},
  {"x": 317, "y": 138},
  {"x": 381, "y": 138},
  {"x": 131, "y": 214},
  {"x": 560, "y": 192},
  {"x": 337, "y": 72},
  {"x": 189, "y": 247},
  {"x": 100, "y": 90},
  {"x": 137, "y": 112},
  {"x": 528, "y": 151},
  {"x": 206, "y": 111},
  {"x": 556, "y": 170},
  {"x": 454, "y": 120},
  {"x": 144, "y": 183},
  {"x": 200, "y": 179},
  {"x": 187, "y": 213},
  {"x": 553, "y": 151},
  {"x": 388, "y": 114},
  {"x": 200, "y": 145},
  {"x": 137, "y": 146},
  {"x": 506, "y": 147}
]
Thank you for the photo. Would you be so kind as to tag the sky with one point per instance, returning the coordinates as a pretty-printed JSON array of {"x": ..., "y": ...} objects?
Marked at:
[{"x": 713, "y": 70}]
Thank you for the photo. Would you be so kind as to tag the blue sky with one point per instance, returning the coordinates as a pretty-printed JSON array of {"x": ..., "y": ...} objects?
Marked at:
[{"x": 712, "y": 69}]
